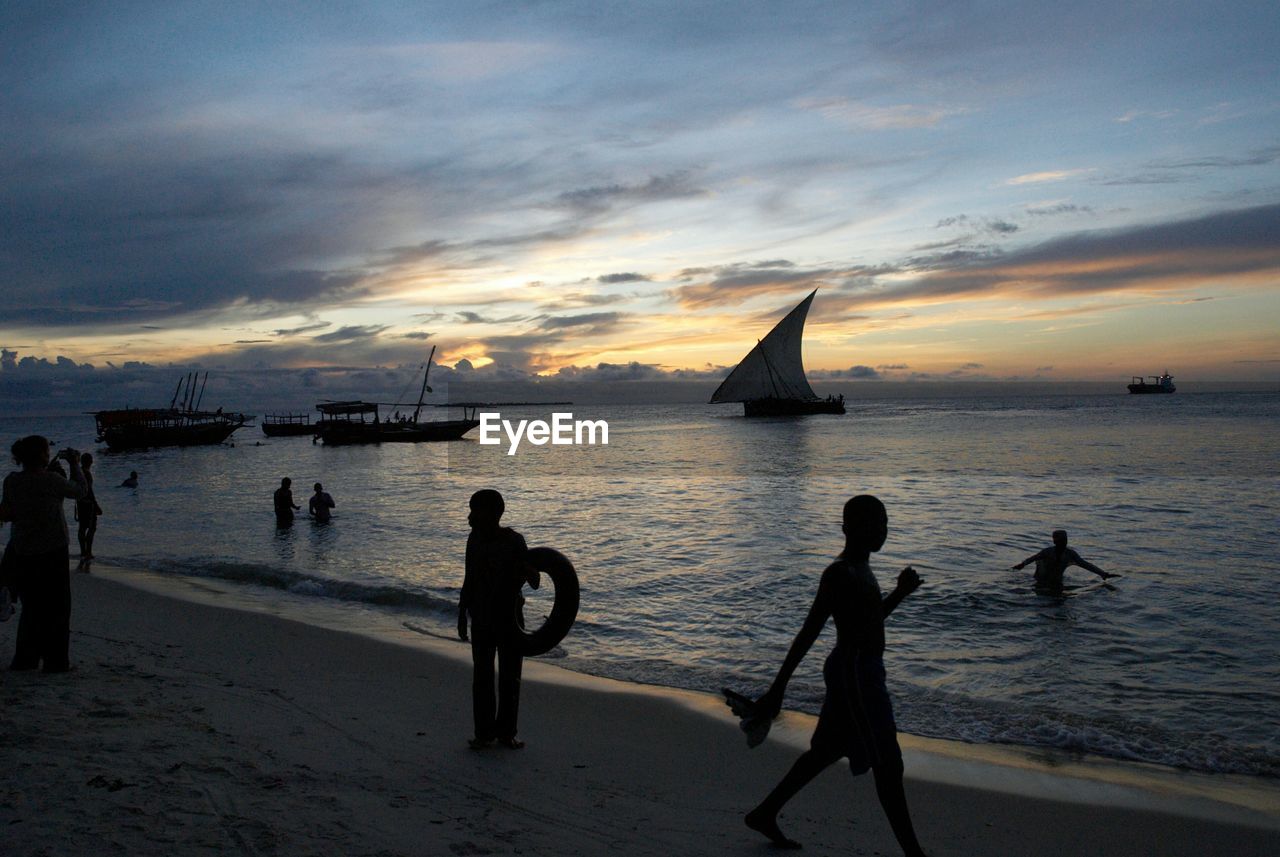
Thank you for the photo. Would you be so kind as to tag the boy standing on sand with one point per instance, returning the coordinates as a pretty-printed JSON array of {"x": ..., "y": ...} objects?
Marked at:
[
  {"x": 495, "y": 572},
  {"x": 857, "y": 717}
]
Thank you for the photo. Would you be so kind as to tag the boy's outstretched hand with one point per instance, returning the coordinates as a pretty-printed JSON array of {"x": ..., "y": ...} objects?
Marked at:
[{"x": 908, "y": 580}]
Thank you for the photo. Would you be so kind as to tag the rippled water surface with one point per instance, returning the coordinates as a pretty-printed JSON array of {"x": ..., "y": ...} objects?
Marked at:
[{"x": 699, "y": 537}]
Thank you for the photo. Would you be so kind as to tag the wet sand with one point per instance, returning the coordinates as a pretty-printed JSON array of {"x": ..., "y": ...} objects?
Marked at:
[{"x": 192, "y": 728}]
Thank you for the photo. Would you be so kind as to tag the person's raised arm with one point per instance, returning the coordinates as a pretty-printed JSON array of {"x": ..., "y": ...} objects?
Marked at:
[
  {"x": 76, "y": 488},
  {"x": 1026, "y": 562},
  {"x": 771, "y": 702},
  {"x": 1085, "y": 564},
  {"x": 908, "y": 582}
]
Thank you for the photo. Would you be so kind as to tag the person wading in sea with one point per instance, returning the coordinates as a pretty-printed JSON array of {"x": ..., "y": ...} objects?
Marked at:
[
  {"x": 285, "y": 507},
  {"x": 1051, "y": 563},
  {"x": 495, "y": 572},
  {"x": 857, "y": 717}
]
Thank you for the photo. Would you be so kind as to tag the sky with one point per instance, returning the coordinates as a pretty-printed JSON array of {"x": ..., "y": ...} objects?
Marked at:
[{"x": 601, "y": 191}]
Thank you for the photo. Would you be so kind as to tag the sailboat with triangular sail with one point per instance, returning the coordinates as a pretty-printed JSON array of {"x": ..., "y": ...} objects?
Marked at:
[{"x": 770, "y": 380}]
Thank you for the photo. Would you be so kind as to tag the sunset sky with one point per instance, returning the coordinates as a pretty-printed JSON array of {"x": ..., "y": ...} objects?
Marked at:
[{"x": 1074, "y": 191}]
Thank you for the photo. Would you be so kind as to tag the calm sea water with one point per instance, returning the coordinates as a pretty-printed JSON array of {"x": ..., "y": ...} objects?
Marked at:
[{"x": 699, "y": 538}]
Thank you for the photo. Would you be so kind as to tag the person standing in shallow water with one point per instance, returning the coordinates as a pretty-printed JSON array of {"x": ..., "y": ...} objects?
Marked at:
[
  {"x": 320, "y": 504},
  {"x": 285, "y": 507},
  {"x": 857, "y": 717},
  {"x": 496, "y": 570},
  {"x": 1051, "y": 563},
  {"x": 37, "y": 560}
]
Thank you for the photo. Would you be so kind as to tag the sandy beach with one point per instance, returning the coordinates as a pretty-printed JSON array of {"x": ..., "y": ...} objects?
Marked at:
[{"x": 192, "y": 728}]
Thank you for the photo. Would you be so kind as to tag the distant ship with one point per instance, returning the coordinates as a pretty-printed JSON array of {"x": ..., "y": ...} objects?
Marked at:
[
  {"x": 180, "y": 424},
  {"x": 770, "y": 380},
  {"x": 1162, "y": 384}
]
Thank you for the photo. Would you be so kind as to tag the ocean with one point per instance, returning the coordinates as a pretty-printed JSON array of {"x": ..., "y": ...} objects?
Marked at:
[{"x": 699, "y": 538}]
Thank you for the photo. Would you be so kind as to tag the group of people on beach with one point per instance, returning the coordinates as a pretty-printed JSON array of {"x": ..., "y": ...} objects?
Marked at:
[
  {"x": 320, "y": 507},
  {"x": 856, "y": 720}
]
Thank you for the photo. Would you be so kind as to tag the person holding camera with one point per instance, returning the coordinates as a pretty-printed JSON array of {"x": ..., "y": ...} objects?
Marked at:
[{"x": 36, "y": 561}]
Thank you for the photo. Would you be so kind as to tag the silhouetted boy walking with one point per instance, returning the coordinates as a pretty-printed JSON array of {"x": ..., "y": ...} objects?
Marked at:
[{"x": 857, "y": 717}]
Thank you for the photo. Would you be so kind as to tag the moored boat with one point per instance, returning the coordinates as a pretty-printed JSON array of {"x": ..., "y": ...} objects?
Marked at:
[
  {"x": 361, "y": 422},
  {"x": 770, "y": 380},
  {"x": 287, "y": 425},
  {"x": 1160, "y": 384},
  {"x": 180, "y": 424}
]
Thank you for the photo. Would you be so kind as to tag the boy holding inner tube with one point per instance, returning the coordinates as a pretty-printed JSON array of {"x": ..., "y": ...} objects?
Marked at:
[{"x": 496, "y": 570}]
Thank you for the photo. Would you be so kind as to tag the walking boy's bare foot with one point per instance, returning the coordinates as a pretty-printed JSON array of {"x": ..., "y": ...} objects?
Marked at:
[{"x": 768, "y": 825}]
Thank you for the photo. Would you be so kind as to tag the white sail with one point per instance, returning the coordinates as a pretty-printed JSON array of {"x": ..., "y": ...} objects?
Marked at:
[{"x": 773, "y": 369}]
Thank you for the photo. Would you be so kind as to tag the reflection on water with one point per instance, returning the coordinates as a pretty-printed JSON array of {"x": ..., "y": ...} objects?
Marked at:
[{"x": 699, "y": 537}]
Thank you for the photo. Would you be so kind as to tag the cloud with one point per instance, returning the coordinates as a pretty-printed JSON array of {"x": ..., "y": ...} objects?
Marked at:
[
  {"x": 1048, "y": 176},
  {"x": 1232, "y": 245},
  {"x": 991, "y": 225},
  {"x": 734, "y": 284},
  {"x": 1257, "y": 158},
  {"x": 853, "y": 372},
  {"x": 632, "y": 371},
  {"x": 468, "y": 317},
  {"x": 351, "y": 333},
  {"x": 1058, "y": 209},
  {"x": 873, "y": 117},
  {"x": 610, "y": 279},
  {"x": 305, "y": 328},
  {"x": 579, "y": 300},
  {"x": 591, "y": 319},
  {"x": 601, "y": 198}
]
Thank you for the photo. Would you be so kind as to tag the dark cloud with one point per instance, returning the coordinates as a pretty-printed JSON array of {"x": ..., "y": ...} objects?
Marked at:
[
  {"x": 733, "y": 284},
  {"x": 600, "y": 199},
  {"x": 632, "y": 371},
  {"x": 609, "y": 279},
  {"x": 1258, "y": 158},
  {"x": 1166, "y": 256},
  {"x": 1059, "y": 209},
  {"x": 595, "y": 320},
  {"x": 351, "y": 333},
  {"x": 580, "y": 300},
  {"x": 306, "y": 328},
  {"x": 853, "y": 372},
  {"x": 468, "y": 317},
  {"x": 989, "y": 225}
]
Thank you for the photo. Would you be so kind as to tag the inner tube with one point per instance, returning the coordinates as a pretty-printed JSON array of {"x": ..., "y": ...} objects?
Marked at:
[{"x": 555, "y": 565}]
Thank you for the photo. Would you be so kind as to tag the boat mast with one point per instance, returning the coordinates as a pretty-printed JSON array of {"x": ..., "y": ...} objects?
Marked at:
[
  {"x": 174, "y": 400},
  {"x": 201, "y": 396},
  {"x": 425, "y": 388}
]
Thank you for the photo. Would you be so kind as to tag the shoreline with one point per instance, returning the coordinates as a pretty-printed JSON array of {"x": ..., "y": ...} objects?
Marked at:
[
  {"x": 1039, "y": 772},
  {"x": 189, "y": 727}
]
